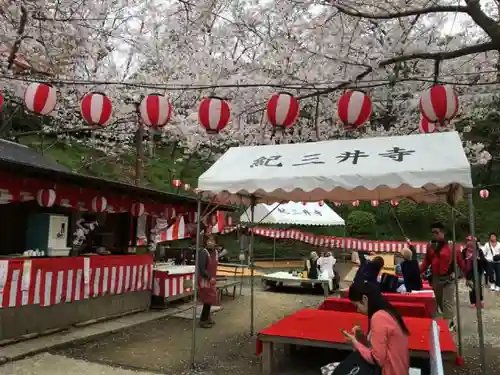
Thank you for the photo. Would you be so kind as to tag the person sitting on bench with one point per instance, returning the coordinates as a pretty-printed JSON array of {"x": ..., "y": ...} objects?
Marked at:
[{"x": 311, "y": 266}]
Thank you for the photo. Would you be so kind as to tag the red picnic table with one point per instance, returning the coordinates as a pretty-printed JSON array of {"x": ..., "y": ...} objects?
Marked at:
[
  {"x": 322, "y": 328},
  {"x": 424, "y": 297},
  {"x": 411, "y": 309}
]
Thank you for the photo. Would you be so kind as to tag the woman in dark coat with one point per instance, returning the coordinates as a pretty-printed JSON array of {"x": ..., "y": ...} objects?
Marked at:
[
  {"x": 410, "y": 270},
  {"x": 368, "y": 271},
  {"x": 468, "y": 257}
]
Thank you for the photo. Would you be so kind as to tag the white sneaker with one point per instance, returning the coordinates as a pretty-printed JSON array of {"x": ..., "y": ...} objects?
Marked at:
[
  {"x": 497, "y": 289},
  {"x": 492, "y": 287}
]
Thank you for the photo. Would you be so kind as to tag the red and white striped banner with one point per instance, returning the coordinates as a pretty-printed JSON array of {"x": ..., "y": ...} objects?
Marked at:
[
  {"x": 377, "y": 246},
  {"x": 177, "y": 231},
  {"x": 48, "y": 282},
  {"x": 168, "y": 285}
]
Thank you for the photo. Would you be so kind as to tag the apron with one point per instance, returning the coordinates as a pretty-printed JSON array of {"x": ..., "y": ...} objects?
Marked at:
[{"x": 207, "y": 288}]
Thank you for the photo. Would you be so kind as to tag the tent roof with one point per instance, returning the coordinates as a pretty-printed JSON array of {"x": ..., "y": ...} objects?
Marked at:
[
  {"x": 423, "y": 167},
  {"x": 293, "y": 213}
]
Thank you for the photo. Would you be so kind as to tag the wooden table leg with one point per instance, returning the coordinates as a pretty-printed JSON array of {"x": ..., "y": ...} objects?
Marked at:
[
  {"x": 326, "y": 291},
  {"x": 267, "y": 358}
]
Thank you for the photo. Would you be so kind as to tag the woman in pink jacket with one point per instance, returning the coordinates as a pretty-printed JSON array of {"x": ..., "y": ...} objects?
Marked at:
[{"x": 386, "y": 344}]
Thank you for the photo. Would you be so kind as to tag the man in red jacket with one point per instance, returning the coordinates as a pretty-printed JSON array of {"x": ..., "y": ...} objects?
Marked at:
[{"x": 439, "y": 257}]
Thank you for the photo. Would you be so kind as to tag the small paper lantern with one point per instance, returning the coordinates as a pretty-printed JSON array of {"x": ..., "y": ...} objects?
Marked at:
[
  {"x": 40, "y": 98},
  {"x": 46, "y": 197},
  {"x": 155, "y": 110},
  {"x": 394, "y": 203},
  {"x": 484, "y": 193},
  {"x": 337, "y": 204},
  {"x": 214, "y": 114},
  {"x": 138, "y": 209},
  {"x": 99, "y": 204},
  {"x": 282, "y": 110},
  {"x": 321, "y": 203},
  {"x": 374, "y": 203},
  {"x": 354, "y": 108},
  {"x": 176, "y": 183},
  {"x": 96, "y": 108},
  {"x": 439, "y": 104},
  {"x": 355, "y": 203}
]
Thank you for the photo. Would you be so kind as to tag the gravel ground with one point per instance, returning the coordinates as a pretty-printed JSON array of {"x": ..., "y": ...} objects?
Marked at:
[{"x": 163, "y": 346}]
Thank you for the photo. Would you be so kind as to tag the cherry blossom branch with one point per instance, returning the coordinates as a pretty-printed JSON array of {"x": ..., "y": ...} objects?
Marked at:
[
  {"x": 20, "y": 31},
  {"x": 401, "y": 14}
]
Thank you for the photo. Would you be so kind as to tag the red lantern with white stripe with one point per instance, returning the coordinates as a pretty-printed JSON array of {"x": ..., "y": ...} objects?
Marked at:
[
  {"x": 138, "y": 209},
  {"x": 96, "y": 108},
  {"x": 426, "y": 126},
  {"x": 40, "y": 98},
  {"x": 394, "y": 203},
  {"x": 354, "y": 108},
  {"x": 99, "y": 204},
  {"x": 176, "y": 183},
  {"x": 282, "y": 110},
  {"x": 155, "y": 110},
  {"x": 337, "y": 204},
  {"x": 355, "y": 203},
  {"x": 214, "y": 114},
  {"x": 374, "y": 203},
  {"x": 439, "y": 104},
  {"x": 484, "y": 193},
  {"x": 321, "y": 203},
  {"x": 46, "y": 197}
]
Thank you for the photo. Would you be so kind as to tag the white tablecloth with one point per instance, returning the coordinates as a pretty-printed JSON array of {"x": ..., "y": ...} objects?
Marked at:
[{"x": 175, "y": 270}]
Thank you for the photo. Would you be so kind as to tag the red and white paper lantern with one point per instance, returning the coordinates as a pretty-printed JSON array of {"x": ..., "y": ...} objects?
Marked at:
[
  {"x": 138, "y": 209},
  {"x": 374, "y": 203},
  {"x": 214, "y": 114},
  {"x": 426, "y": 126},
  {"x": 439, "y": 104},
  {"x": 96, "y": 108},
  {"x": 484, "y": 193},
  {"x": 46, "y": 197},
  {"x": 354, "y": 108},
  {"x": 99, "y": 204},
  {"x": 394, "y": 203},
  {"x": 321, "y": 203},
  {"x": 355, "y": 203},
  {"x": 282, "y": 110},
  {"x": 176, "y": 183},
  {"x": 337, "y": 204},
  {"x": 155, "y": 110},
  {"x": 40, "y": 98}
]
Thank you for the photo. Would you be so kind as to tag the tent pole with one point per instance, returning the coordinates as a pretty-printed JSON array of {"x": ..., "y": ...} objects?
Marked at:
[
  {"x": 274, "y": 253},
  {"x": 251, "y": 263},
  {"x": 195, "y": 283},
  {"x": 477, "y": 288},
  {"x": 457, "y": 293}
]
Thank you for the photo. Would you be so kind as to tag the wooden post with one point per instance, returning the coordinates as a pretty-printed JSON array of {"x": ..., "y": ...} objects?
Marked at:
[{"x": 267, "y": 358}]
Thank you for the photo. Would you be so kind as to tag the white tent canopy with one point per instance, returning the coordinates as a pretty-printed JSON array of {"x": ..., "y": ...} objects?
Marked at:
[
  {"x": 293, "y": 213},
  {"x": 424, "y": 167}
]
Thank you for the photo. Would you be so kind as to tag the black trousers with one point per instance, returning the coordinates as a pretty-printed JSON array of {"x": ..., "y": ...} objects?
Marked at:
[
  {"x": 205, "y": 312},
  {"x": 472, "y": 294},
  {"x": 490, "y": 273}
]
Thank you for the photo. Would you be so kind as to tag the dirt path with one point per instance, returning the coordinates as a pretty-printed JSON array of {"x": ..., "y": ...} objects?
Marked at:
[{"x": 163, "y": 346}]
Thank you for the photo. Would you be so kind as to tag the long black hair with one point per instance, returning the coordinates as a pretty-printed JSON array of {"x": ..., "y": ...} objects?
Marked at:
[{"x": 376, "y": 302}]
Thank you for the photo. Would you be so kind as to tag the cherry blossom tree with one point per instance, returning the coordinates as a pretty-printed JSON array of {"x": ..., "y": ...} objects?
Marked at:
[{"x": 245, "y": 50}]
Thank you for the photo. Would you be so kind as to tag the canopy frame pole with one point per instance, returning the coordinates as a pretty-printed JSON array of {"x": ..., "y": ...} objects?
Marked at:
[
  {"x": 457, "y": 293},
  {"x": 477, "y": 289},
  {"x": 195, "y": 283},
  {"x": 251, "y": 263},
  {"x": 274, "y": 253}
]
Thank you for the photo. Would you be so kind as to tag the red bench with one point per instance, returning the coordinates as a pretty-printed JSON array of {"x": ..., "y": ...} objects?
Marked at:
[{"x": 411, "y": 309}]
